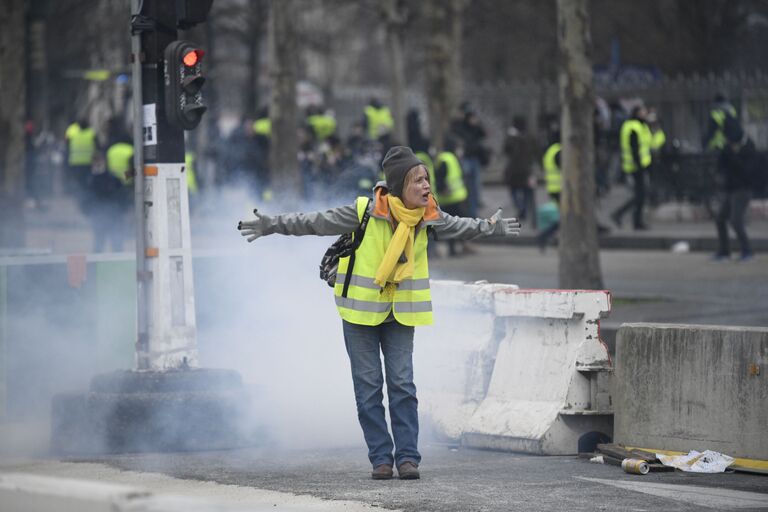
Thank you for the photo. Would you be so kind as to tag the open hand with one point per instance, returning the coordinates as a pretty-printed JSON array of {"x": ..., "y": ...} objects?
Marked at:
[
  {"x": 504, "y": 227},
  {"x": 255, "y": 228}
]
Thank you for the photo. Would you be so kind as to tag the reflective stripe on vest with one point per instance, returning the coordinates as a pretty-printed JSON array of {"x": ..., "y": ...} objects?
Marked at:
[
  {"x": 82, "y": 146},
  {"x": 644, "y": 137},
  {"x": 119, "y": 157},
  {"x": 454, "y": 180},
  {"x": 379, "y": 121},
  {"x": 718, "y": 115},
  {"x": 552, "y": 175},
  {"x": 366, "y": 302}
]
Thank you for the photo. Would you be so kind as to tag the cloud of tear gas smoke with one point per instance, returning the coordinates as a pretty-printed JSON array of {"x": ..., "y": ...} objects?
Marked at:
[{"x": 263, "y": 311}]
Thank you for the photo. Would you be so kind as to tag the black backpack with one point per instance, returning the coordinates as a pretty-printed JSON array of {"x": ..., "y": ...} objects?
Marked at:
[{"x": 344, "y": 246}]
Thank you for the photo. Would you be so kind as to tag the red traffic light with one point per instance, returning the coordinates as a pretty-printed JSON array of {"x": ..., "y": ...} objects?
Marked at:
[{"x": 192, "y": 57}]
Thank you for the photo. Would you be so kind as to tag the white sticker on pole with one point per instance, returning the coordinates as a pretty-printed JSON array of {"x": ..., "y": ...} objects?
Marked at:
[{"x": 150, "y": 125}]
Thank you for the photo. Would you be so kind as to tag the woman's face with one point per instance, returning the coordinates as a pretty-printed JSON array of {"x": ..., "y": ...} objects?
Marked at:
[{"x": 416, "y": 190}]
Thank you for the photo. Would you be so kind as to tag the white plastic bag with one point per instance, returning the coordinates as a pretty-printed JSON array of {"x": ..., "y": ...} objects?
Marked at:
[{"x": 697, "y": 462}]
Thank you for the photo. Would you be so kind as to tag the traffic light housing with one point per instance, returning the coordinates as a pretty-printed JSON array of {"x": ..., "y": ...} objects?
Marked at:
[
  {"x": 191, "y": 12},
  {"x": 184, "y": 80}
]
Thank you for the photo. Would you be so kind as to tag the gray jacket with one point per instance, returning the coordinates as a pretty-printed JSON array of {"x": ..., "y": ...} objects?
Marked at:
[{"x": 343, "y": 219}]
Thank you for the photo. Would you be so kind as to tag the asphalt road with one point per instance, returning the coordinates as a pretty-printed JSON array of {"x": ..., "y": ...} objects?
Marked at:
[{"x": 461, "y": 480}]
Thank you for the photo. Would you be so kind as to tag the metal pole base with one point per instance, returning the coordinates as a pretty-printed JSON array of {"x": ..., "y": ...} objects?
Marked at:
[{"x": 130, "y": 411}]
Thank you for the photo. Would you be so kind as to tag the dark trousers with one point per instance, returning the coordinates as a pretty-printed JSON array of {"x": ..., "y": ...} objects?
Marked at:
[
  {"x": 733, "y": 209},
  {"x": 522, "y": 198},
  {"x": 637, "y": 200}
]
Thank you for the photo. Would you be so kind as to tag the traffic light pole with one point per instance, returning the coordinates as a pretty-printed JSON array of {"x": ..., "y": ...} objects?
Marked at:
[
  {"x": 165, "y": 294},
  {"x": 167, "y": 402},
  {"x": 138, "y": 189}
]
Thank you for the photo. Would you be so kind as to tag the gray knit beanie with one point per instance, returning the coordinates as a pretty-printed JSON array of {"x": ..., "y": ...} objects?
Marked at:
[{"x": 396, "y": 164}]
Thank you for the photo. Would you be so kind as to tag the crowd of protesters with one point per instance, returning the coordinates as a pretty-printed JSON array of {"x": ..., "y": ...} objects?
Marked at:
[{"x": 630, "y": 148}]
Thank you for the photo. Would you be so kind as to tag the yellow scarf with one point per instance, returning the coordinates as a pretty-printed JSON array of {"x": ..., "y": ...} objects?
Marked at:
[{"x": 402, "y": 242}]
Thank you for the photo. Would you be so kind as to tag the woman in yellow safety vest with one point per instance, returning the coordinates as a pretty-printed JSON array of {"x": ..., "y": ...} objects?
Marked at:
[{"x": 382, "y": 292}]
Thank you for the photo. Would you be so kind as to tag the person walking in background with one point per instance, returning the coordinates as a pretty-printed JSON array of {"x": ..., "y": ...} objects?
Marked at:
[
  {"x": 322, "y": 122},
  {"x": 635, "y": 140},
  {"x": 475, "y": 156},
  {"x": 81, "y": 148},
  {"x": 553, "y": 179},
  {"x": 382, "y": 292},
  {"x": 738, "y": 165},
  {"x": 262, "y": 134},
  {"x": 520, "y": 151},
  {"x": 377, "y": 120},
  {"x": 450, "y": 188},
  {"x": 657, "y": 176},
  {"x": 110, "y": 196},
  {"x": 714, "y": 134}
]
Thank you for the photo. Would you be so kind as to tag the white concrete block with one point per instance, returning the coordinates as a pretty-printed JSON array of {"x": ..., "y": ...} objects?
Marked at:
[{"x": 526, "y": 361}]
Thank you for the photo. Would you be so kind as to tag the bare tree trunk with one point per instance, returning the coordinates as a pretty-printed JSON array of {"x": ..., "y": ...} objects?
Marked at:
[
  {"x": 579, "y": 253},
  {"x": 255, "y": 15},
  {"x": 12, "y": 116},
  {"x": 457, "y": 37},
  {"x": 440, "y": 102},
  {"x": 283, "y": 109},
  {"x": 395, "y": 16}
]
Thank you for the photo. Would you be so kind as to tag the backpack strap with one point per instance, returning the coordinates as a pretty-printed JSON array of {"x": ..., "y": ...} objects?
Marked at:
[{"x": 357, "y": 240}]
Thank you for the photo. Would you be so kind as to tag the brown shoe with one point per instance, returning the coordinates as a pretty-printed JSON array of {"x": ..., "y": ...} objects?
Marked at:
[
  {"x": 382, "y": 472},
  {"x": 408, "y": 471}
]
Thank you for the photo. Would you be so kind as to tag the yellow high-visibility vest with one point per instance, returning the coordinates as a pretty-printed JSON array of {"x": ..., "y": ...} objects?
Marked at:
[
  {"x": 379, "y": 121},
  {"x": 119, "y": 158},
  {"x": 454, "y": 180},
  {"x": 189, "y": 163},
  {"x": 553, "y": 177},
  {"x": 263, "y": 126},
  {"x": 644, "y": 138},
  {"x": 658, "y": 139},
  {"x": 718, "y": 115},
  {"x": 82, "y": 144},
  {"x": 365, "y": 302},
  {"x": 323, "y": 125}
]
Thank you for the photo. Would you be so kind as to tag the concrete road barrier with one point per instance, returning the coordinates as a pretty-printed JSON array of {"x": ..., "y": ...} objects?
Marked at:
[
  {"x": 519, "y": 370},
  {"x": 692, "y": 387}
]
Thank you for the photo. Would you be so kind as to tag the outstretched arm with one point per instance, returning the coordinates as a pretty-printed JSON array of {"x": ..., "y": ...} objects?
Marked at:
[
  {"x": 335, "y": 221},
  {"x": 465, "y": 228}
]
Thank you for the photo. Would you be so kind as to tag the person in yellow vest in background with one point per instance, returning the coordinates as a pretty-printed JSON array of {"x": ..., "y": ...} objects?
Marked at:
[
  {"x": 262, "y": 132},
  {"x": 714, "y": 136},
  {"x": 111, "y": 197},
  {"x": 549, "y": 213},
  {"x": 658, "y": 137},
  {"x": 322, "y": 122},
  {"x": 378, "y": 120},
  {"x": 189, "y": 169},
  {"x": 657, "y": 173},
  {"x": 81, "y": 146},
  {"x": 449, "y": 188},
  {"x": 635, "y": 139},
  {"x": 382, "y": 293}
]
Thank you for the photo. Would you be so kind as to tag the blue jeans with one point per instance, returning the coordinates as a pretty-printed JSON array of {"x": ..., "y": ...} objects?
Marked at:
[{"x": 364, "y": 344}]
